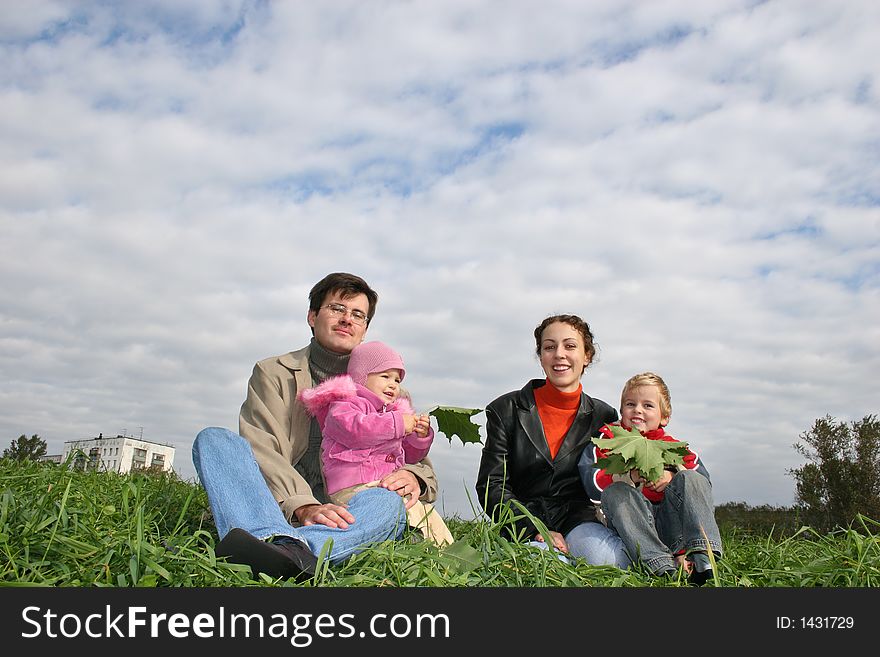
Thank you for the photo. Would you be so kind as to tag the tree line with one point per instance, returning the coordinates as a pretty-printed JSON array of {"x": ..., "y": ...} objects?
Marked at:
[{"x": 26, "y": 449}]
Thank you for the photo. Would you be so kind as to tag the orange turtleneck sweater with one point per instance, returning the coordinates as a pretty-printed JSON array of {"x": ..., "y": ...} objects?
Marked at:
[{"x": 556, "y": 410}]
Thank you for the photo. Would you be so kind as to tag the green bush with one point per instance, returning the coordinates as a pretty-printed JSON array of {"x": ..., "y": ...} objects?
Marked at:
[{"x": 841, "y": 479}]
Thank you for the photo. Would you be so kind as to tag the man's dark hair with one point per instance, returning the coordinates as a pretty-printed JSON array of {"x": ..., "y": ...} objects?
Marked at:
[{"x": 348, "y": 285}]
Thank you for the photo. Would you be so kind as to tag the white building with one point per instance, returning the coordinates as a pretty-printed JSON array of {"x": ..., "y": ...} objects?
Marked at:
[{"x": 120, "y": 454}]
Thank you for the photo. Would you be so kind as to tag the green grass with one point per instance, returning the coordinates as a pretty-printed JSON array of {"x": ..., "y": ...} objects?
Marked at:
[{"x": 64, "y": 528}]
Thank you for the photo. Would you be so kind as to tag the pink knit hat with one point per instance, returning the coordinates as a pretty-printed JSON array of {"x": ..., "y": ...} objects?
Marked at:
[{"x": 370, "y": 357}]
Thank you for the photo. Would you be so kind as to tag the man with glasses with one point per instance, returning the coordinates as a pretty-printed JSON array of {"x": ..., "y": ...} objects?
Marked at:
[{"x": 265, "y": 486}]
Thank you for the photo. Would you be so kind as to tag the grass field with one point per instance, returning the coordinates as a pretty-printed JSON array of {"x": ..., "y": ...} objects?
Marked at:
[{"x": 67, "y": 528}]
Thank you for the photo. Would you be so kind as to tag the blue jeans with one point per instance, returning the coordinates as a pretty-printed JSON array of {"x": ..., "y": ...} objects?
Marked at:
[
  {"x": 653, "y": 533},
  {"x": 595, "y": 543},
  {"x": 598, "y": 545},
  {"x": 239, "y": 497}
]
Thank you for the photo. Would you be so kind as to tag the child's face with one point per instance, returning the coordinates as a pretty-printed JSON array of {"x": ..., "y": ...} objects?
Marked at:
[
  {"x": 640, "y": 409},
  {"x": 385, "y": 385}
]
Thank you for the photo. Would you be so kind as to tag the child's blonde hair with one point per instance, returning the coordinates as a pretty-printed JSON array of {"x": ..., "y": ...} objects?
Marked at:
[{"x": 649, "y": 379}]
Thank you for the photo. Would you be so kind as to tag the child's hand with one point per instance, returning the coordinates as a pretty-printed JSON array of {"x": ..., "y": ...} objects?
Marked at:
[
  {"x": 423, "y": 425},
  {"x": 409, "y": 422},
  {"x": 661, "y": 483},
  {"x": 637, "y": 478}
]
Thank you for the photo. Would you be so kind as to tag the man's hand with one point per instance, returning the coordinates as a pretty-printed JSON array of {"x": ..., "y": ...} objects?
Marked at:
[
  {"x": 405, "y": 484},
  {"x": 331, "y": 515}
]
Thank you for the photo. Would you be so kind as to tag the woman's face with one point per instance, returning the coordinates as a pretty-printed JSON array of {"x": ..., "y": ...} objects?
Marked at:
[{"x": 563, "y": 356}]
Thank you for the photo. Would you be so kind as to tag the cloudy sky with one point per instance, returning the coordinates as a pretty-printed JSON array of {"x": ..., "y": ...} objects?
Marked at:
[{"x": 699, "y": 181}]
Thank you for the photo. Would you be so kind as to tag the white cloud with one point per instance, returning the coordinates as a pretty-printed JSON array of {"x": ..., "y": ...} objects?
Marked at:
[{"x": 698, "y": 182}]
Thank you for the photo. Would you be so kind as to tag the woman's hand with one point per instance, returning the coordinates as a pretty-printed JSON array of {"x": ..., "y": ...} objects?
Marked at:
[
  {"x": 558, "y": 541},
  {"x": 405, "y": 484}
]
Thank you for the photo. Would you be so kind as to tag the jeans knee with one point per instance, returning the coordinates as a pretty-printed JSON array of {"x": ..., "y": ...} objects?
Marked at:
[
  {"x": 617, "y": 493},
  {"x": 687, "y": 475},
  {"x": 615, "y": 554},
  {"x": 213, "y": 438},
  {"x": 216, "y": 443},
  {"x": 691, "y": 479},
  {"x": 598, "y": 545},
  {"x": 381, "y": 501}
]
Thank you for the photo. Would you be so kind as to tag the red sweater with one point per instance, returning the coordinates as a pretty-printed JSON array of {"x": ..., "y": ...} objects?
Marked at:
[{"x": 556, "y": 410}]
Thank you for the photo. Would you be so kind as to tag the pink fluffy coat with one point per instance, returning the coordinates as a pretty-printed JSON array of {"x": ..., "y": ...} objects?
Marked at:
[{"x": 363, "y": 438}]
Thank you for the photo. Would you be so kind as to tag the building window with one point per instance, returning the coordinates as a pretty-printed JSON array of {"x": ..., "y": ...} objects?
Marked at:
[
  {"x": 158, "y": 461},
  {"x": 139, "y": 459}
]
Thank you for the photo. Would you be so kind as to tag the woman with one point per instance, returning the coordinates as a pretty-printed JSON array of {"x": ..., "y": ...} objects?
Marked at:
[{"x": 534, "y": 439}]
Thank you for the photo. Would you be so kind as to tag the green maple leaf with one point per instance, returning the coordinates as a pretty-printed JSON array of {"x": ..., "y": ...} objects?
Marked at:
[
  {"x": 614, "y": 464},
  {"x": 456, "y": 421},
  {"x": 630, "y": 450},
  {"x": 461, "y": 557}
]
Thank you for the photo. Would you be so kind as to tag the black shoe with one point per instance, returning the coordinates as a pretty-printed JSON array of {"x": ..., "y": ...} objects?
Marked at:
[
  {"x": 701, "y": 568},
  {"x": 286, "y": 557}
]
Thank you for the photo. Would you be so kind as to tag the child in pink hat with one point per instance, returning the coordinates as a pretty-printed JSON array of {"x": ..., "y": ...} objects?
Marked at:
[{"x": 369, "y": 430}]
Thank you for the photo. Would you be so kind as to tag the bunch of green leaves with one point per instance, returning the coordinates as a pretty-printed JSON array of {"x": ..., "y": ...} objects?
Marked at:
[{"x": 630, "y": 450}]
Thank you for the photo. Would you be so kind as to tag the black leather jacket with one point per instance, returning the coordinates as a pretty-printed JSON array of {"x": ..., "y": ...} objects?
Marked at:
[{"x": 516, "y": 462}]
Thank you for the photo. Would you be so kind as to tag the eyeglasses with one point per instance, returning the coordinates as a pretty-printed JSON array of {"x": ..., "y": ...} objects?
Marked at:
[{"x": 338, "y": 310}]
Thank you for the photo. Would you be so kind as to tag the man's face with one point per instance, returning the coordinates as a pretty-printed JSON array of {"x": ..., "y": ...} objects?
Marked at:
[{"x": 338, "y": 333}]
